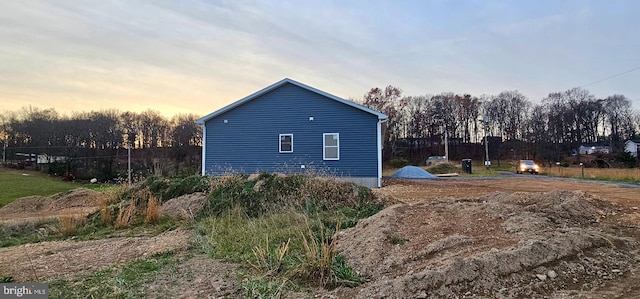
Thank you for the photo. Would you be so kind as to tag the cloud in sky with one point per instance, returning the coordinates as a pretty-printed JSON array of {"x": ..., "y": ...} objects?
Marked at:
[{"x": 197, "y": 56}]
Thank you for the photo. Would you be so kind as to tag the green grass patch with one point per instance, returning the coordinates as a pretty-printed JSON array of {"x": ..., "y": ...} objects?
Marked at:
[
  {"x": 232, "y": 237},
  {"x": 280, "y": 251},
  {"x": 16, "y": 184},
  {"x": 265, "y": 287},
  {"x": 29, "y": 232},
  {"x": 480, "y": 170}
]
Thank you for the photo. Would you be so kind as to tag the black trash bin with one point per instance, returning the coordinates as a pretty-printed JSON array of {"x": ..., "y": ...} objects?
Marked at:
[{"x": 466, "y": 165}]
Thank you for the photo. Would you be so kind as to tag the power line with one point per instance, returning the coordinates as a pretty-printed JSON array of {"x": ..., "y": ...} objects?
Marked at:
[{"x": 612, "y": 76}]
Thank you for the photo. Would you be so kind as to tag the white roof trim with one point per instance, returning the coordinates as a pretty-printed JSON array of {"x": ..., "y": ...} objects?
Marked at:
[{"x": 271, "y": 87}]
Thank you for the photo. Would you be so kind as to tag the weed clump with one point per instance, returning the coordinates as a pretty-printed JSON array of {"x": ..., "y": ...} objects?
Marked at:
[
  {"x": 166, "y": 189},
  {"x": 268, "y": 193},
  {"x": 284, "y": 229}
]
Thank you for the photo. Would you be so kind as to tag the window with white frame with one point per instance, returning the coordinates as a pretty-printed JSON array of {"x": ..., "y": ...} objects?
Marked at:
[
  {"x": 331, "y": 146},
  {"x": 286, "y": 143}
]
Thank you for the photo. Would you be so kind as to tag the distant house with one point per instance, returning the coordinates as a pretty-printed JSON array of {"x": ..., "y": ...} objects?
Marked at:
[
  {"x": 632, "y": 147},
  {"x": 290, "y": 127},
  {"x": 48, "y": 159},
  {"x": 592, "y": 149}
]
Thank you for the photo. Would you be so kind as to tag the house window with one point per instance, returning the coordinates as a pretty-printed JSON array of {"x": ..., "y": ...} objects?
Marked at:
[
  {"x": 331, "y": 146},
  {"x": 286, "y": 143}
]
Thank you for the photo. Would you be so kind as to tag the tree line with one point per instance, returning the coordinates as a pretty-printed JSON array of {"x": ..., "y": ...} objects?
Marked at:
[
  {"x": 515, "y": 127},
  {"x": 98, "y": 141}
]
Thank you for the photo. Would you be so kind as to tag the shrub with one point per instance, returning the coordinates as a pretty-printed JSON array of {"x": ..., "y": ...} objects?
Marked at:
[
  {"x": 441, "y": 168},
  {"x": 166, "y": 189},
  {"x": 187, "y": 185},
  {"x": 628, "y": 160},
  {"x": 398, "y": 162}
]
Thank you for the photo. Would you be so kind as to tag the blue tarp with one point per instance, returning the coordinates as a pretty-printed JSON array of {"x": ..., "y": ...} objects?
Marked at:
[{"x": 412, "y": 172}]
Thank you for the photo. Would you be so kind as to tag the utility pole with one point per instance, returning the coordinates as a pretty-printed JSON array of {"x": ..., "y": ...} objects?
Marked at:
[
  {"x": 129, "y": 163},
  {"x": 446, "y": 145},
  {"x": 486, "y": 150},
  {"x": 487, "y": 162}
]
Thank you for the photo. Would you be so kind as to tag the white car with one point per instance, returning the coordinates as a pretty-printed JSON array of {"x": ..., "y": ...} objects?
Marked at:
[{"x": 528, "y": 166}]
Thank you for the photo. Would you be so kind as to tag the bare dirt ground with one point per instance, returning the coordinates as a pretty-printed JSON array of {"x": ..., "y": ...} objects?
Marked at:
[{"x": 508, "y": 237}]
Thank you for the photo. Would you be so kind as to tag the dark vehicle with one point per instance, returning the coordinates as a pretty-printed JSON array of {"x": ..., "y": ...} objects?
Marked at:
[{"x": 527, "y": 166}]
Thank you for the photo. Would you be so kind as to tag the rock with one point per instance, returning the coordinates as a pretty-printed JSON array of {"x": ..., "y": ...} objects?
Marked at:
[
  {"x": 542, "y": 277},
  {"x": 552, "y": 274},
  {"x": 93, "y": 181}
]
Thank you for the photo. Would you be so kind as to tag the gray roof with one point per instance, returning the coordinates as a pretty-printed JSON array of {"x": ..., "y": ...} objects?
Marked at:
[{"x": 282, "y": 82}]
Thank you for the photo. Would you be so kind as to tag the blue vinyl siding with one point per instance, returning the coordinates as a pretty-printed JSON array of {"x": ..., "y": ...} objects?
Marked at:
[{"x": 249, "y": 140}]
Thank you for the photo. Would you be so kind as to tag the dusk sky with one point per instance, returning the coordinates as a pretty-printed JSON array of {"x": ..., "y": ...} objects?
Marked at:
[{"x": 198, "y": 56}]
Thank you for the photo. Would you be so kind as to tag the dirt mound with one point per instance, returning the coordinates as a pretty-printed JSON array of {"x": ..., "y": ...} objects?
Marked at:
[
  {"x": 33, "y": 208},
  {"x": 27, "y": 204},
  {"x": 499, "y": 245},
  {"x": 77, "y": 198},
  {"x": 185, "y": 206}
]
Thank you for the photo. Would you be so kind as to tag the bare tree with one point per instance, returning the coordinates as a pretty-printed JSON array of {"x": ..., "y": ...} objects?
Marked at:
[
  {"x": 185, "y": 131},
  {"x": 386, "y": 101},
  {"x": 617, "y": 110}
]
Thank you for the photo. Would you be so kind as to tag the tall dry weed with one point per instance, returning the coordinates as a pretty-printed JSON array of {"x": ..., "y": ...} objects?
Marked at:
[
  {"x": 106, "y": 214},
  {"x": 320, "y": 254},
  {"x": 153, "y": 210},
  {"x": 270, "y": 260},
  {"x": 126, "y": 215},
  {"x": 69, "y": 224},
  {"x": 67, "y": 227}
]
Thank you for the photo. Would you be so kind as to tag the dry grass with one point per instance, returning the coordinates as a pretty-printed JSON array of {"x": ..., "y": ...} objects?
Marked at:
[
  {"x": 106, "y": 214},
  {"x": 126, "y": 215},
  {"x": 153, "y": 210},
  {"x": 320, "y": 253},
  {"x": 329, "y": 193},
  {"x": 614, "y": 174},
  {"x": 69, "y": 224},
  {"x": 268, "y": 260}
]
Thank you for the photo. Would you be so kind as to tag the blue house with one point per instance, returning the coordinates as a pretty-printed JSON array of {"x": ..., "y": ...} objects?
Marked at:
[{"x": 289, "y": 127}]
